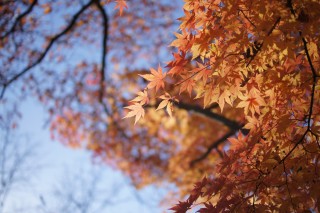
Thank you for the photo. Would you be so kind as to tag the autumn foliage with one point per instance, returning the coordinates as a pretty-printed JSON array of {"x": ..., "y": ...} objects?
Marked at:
[
  {"x": 232, "y": 119},
  {"x": 259, "y": 62}
]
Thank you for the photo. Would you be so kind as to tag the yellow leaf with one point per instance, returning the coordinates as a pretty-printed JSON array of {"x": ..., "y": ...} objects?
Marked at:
[
  {"x": 136, "y": 110},
  {"x": 156, "y": 78},
  {"x": 170, "y": 109},
  {"x": 163, "y": 104}
]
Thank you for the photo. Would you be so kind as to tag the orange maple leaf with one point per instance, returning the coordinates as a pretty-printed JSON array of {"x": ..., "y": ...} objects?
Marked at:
[
  {"x": 187, "y": 85},
  {"x": 155, "y": 78},
  {"x": 142, "y": 98},
  {"x": 252, "y": 101},
  {"x": 136, "y": 110},
  {"x": 177, "y": 65},
  {"x": 121, "y": 4},
  {"x": 202, "y": 72}
]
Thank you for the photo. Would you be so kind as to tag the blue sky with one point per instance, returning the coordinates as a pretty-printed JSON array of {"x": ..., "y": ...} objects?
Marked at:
[{"x": 53, "y": 162}]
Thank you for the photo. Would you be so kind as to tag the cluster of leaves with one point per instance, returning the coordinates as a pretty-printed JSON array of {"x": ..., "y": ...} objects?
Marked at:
[{"x": 260, "y": 59}]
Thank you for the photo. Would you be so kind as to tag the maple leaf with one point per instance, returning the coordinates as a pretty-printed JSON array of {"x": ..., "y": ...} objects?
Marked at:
[
  {"x": 187, "y": 85},
  {"x": 169, "y": 109},
  {"x": 252, "y": 101},
  {"x": 136, "y": 110},
  {"x": 156, "y": 78},
  {"x": 183, "y": 41},
  {"x": 142, "y": 98},
  {"x": 224, "y": 97},
  {"x": 167, "y": 101},
  {"x": 121, "y": 4},
  {"x": 163, "y": 104},
  {"x": 207, "y": 209},
  {"x": 202, "y": 73},
  {"x": 181, "y": 207},
  {"x": 178, "y": 64}
]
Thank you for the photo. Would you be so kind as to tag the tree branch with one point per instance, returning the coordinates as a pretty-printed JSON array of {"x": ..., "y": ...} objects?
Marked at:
[
  {"x": 314, "y": 77},
  {"x": 104, "y": 48},
  {"x": 19, "y": 18},
  {"x": 289, "y": 4},
  {"x": 46, "y": 50},
  {"x": 233, "y": 125},
  {"x": 245, "y": 81},
  {"x": 268, "y": 34},
  {"x": 214, "y": 145},
  {"x": 6, "y": 2},
  {"x": 246, "y": 17}
]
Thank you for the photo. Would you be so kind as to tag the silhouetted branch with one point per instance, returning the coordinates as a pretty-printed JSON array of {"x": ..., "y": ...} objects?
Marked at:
[
  {"x": 104, "y": 49},
  {"x": 19, "y": 18},
  {"x": 214, "y": 145},
  {"x": 257, "y": 49},
  {"x": 287, "y": 184},
  {"x": 246, "y": 17},
  {"x": 16, "y": 160},
  {"x": 6, "y": 2},
  {"x": 268, "y": 34},
  {"x": 233, "y": 125},
  {"x": 289, "y": 4},
  {"x": 314, "y": 77},
  {"x": 46, "y": 50}
]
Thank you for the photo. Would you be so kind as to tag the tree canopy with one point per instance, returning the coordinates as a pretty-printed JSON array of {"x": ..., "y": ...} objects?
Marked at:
[{"x": 232, "y": 119}]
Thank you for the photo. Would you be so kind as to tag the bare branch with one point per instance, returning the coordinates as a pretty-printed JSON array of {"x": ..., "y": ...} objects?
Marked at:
[
  {"x": 289, "y": 4},
  {"x": 19, "y": 18},
  {"x": 314, "y": 77},
  {"x": 214, "y": 145},
  {"x": 46, "y": 50},
  {"x": 233, "y": 125},
  {"x": 258, "y": 48},
  {"x": 287, "y": 184},
  {"x": 246, "y": 17},
  {"x": 268, "y": 34},
  {"x": 104, "y": 48}
]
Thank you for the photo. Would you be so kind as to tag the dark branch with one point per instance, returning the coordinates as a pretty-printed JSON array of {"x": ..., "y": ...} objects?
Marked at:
[
  {"x": 268, "y": 34},
  {"x": 309, "y": 58},
  {"x": 233, "y": 125},
  {"x": 314, "y": 77},
  {"x": 246, "y": 17},
  {"x": 257, "y": 50},
  {"x": 104, "y": 67},
  {"x": 213, "y": 146},
  {"x": 46, "y": 50},
  {"x": 287, "y": 184},
  {"x": 104, "y": 49},
  {"x": 289, "y": 5},
  {"x": 19, "y": 18}
]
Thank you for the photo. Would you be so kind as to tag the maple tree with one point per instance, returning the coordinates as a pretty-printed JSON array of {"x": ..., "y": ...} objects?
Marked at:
[{"x": 241, "y": 95}]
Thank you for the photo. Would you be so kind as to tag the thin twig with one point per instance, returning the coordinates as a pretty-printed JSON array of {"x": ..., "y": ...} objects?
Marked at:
[
  {"x": 19, "y": 18},
  {"x": 268, "y": 34},
  {"x": 286, "y": 174},
  {"x": 46, "y": 50},
  {"x": 211, "y": 147},
  {"x": 104, "y": 49},
  {"x": 248, "y": 19}
]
